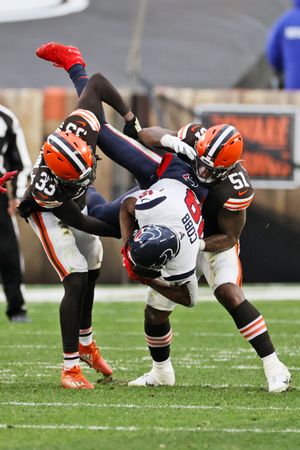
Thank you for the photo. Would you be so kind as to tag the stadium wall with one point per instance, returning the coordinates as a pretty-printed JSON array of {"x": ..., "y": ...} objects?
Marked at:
[{"x": 270, "y": 241}]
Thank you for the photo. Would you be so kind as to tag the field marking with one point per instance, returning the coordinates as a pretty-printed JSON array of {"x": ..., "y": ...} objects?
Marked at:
[
  {"x": 136, "y": 406},
  {"x": 154, "y": 428},
  {"x": 178, "y": 385},
  {"x": 129, "y": 293}
]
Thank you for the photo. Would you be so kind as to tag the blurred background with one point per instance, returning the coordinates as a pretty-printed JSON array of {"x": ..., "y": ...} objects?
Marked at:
[{"x": 175, "y": 61}]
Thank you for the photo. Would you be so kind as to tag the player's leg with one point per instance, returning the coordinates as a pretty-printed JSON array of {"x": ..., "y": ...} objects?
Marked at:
[
  {"x": 128, "y": 153},
  {"x": 223, "y": 274},
  {"x": 158, "y": 334},
  {"x": 10, "y": 266},
  {"x": 91, "y": 248},
  {"x": 107, "y": 211},
  {"x": 60, "y": 246}
]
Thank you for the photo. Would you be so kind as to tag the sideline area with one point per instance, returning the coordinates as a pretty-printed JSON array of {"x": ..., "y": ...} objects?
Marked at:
[{"x": 136, "y": 293}]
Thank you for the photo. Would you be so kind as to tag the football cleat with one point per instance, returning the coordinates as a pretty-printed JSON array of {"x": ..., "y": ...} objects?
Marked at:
[
  {"x": 73, "y": 379},
  {"x": 155, "y": 378},
  {"x": 90, "y": 354},
  {"x": 60, "y": 55},
  {"x": 278, "y": 378}
]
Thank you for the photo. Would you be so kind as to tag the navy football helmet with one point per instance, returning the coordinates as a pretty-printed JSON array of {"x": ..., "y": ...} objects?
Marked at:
[{"x": 152, "y": 246}]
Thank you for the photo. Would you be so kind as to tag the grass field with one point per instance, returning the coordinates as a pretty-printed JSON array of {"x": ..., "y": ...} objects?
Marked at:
[{"x": 220, "y": 400}]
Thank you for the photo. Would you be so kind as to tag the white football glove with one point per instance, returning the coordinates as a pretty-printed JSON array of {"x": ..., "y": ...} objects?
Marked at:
[{"x": 178, "y": 146}]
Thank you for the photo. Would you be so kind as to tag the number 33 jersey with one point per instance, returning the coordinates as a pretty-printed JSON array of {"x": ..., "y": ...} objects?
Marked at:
[{"x": 45, "y": 190}]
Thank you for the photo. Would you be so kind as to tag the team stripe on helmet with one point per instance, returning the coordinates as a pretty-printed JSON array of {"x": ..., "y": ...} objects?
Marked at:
[
  {"x": 183, "y": 131},
  {"x": 234, "y": 204},
  {"x": 89, "y": 117},
  {"x": 65, "y": 149},
  {"x": 222, "y": 136}
]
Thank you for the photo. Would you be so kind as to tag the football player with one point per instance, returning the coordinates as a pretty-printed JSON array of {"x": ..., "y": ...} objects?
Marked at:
[
  {"x": 218, "y": 167},
  {"x": 54, "y": 204}
]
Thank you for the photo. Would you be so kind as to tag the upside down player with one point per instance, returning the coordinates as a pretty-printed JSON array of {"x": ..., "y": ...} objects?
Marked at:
[{"x": 230, "y": 193}]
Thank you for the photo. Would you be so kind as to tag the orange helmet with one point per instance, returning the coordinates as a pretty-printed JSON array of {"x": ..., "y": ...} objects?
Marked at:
[
  {"x": 70, "y": 158},
  {"x": 218, "y": 150}
]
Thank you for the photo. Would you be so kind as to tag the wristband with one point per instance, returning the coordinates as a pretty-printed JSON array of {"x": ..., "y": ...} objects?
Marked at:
[{"x": 202, "y": 245}]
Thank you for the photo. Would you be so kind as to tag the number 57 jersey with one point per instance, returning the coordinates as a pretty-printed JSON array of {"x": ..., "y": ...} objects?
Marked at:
[
  {"x": 171, "y": 203},
  {"x": 233, "y": 193}
]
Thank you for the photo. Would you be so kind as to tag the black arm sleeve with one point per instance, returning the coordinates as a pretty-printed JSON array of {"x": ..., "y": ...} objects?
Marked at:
[
  {"x": 70, "y": 214},
  {"x": 100, "y": 89}
]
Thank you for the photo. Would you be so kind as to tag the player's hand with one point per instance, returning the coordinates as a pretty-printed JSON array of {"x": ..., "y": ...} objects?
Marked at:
[
  {"x": 6, "y": 177},
  {"x": 178, "y": 146},
  {"x": 128, "y": 265},
  {"x": 132, "y": 128}
]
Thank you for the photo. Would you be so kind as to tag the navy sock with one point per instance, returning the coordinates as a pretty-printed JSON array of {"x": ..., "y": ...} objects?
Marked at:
[{"x": 79, "y": 77}]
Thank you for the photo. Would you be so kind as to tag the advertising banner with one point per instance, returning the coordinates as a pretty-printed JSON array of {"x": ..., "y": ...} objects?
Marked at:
[{"x": 271, "y": 140}]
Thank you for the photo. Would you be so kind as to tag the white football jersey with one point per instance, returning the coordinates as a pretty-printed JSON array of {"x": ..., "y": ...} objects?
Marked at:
[{"x": 172, "y": 204}]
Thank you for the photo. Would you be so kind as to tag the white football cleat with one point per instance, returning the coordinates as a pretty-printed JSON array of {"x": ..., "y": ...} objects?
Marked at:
[
  {"x": 278, "y": 378},
  {"x": 155, "y": 378}
]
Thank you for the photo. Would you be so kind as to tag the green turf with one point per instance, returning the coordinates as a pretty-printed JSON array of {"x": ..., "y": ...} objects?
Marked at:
[{"x": 220, "y": 400}]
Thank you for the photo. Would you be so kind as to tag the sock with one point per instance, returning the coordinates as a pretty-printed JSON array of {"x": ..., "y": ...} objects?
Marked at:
[
  {"x": 252, "y": 327},
  {"x": 86, "y": 336},
  {"x": 71, "y": 360},
  {"x": 159, "y": 338},
  {"x": 79, "y": 77},
  {"x": 163, "y": 365}
]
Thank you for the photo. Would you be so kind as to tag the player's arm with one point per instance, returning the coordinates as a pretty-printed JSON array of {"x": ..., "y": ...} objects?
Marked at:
[
  {"x": 185, "y": 294},
  {"x": 151, "y": 136},
  {"x": 231, "y": 225},
  {"x": 99, "y": 89},
  {"x": 162, "y": 137},
  {"x": 70, "y": 214},
  {"x": 127, "y": 218}
]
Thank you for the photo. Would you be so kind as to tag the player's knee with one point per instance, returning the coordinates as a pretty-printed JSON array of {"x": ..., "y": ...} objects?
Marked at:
[
  {"x": 155, "y": 316},
  {"x": 93, "y": 275},
  {"x": 229, "y": 295},
  {"x": 76, "y": 282}
]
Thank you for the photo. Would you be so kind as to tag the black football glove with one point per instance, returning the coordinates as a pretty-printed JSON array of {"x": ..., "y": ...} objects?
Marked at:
[{"x": 132, "y": 128}]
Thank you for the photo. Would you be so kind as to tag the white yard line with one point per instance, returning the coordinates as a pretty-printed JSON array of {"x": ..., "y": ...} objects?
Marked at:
[
  {"x": 137, "y": 293},
  {"x": 155, "y": 407},
  {"x": 151, "y": 429}
]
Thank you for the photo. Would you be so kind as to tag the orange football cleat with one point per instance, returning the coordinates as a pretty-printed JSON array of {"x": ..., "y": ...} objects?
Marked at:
[
  {"x": 90, "y": 354},
  {"x": 73, "y": 379},
  {"x": 61, "y": 55}
]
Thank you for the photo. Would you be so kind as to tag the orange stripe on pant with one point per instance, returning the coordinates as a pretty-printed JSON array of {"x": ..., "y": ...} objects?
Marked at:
[{"x": 48, "y": 247}]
